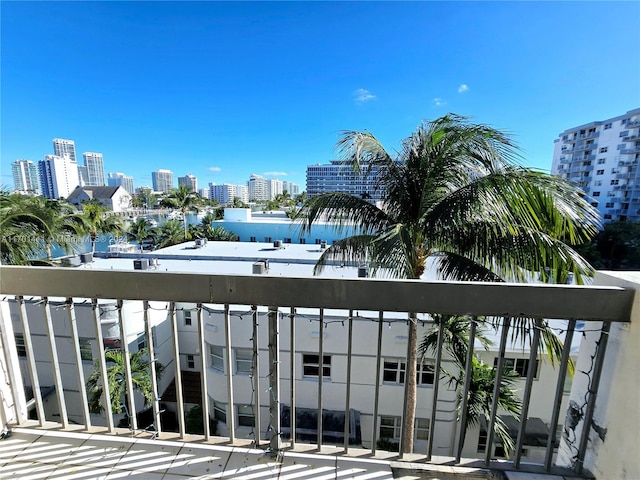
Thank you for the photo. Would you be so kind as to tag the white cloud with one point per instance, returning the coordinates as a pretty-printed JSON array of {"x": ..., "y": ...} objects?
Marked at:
[
  {"x": 362, "y": 95},
  {"x": 275, "y": 174},
  {"x": 438, "y": 102},
  {"x": 463, "y": 88},
  {"x": 215, "y": 169}
]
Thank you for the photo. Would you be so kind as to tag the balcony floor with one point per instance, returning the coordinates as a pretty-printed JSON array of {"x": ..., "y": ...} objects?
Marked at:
[{"x": 38, "y": 454}]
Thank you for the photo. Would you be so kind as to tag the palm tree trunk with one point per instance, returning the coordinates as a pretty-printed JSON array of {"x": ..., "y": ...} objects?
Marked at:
[{"x": 410, "y": 386}]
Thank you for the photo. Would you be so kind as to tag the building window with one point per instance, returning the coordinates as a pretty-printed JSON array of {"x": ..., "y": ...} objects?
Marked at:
[
  {"x": 215, "y": 357},
  {"x": 601, "y": 161},
  {"x": 142, "y": 341},
  {"x": 422, "y": 428},
  {"x": 219, "y": 411},
  {"x": 187, "y": 317},
  {"x": 22, "y": 350},
  {"x": 244, "y": 360},
  {"x": 597, "y": 183},
  {"x": 625, "y": 133},
  {"x": 394, "y": 372},
  {"x": 245, "y": 415},
  {"x": 615, "y": 170},
  {"x": 482, "y": 440},
  {"x": 86, "y": 354},
  {"x": 607, "y": 126},
  {"x": 596, "y": 194},
  {"x": 607, "y": 216},
  {"x": 600, "y": 172},
  {"x": 604, "y": 149},
  {"x": 517, "y": 365},
  {"x": 390, "y": 428},
  {"x": 310, "y": 365},
  {"x": 594, "y": 204},
  {"x": 615, "y": 182},
  {"x": 191, "y": 361},
  {"x": 609, "y": 205}
]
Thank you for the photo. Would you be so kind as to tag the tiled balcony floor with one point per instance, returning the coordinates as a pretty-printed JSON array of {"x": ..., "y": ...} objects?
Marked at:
[{"x": 30, "y": 454}]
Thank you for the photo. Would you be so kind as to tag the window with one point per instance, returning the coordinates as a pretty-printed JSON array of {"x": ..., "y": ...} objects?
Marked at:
[
  {"x": 615, "y": 170},
  {"x": 615, "y": 182},
  {"x": 310, "y": 365},
  {"x": 142, "y": 341},
  {"x": 191, "y": 362},
  {"x": 604, "y": 149},
  {"x": 596, "y": 194},
  {"x": 22, "y": 350},
  {"x": 597, "y": 183},
  {"x": 517, "y": 365},
  {"x": 215, "y": 357},
  {"x": 594, "y": 204},
  {"x": 607, "y": 216},
  {"x": 607, "y": 126},
  {"x": 482, "y": 440},
  {"x": 394, "y": 372},
  {"x": 244, "y": 361},
  {"x": 422, "y": 428},
  {"x": 187, "y": 317},
  {"x": 390, "y": 427},
  {"x": 587, "y": 163},
  {"x": 86, "y": 354},
  {"x": 625, "y": 133},
  {"x": 219, "y": 411},
  {"x": 609, "y": 205},
  {"x": 245, "y": 415},
  {"x": 600, "y": 172},
  {"x": 601, "y": 161}
]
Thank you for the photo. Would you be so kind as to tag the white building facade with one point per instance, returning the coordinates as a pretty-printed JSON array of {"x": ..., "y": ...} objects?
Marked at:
[
  {"x": 190, "y": 181},
  {"x": 336, "y": 177},
  {"x": 117, "y": 179},
  {"x": 162, "y": 180},
  {"x": 292, "y": 188},
  {"x": 258, "y": 188},
  {"x": 25, "y": 177},
  {"x": 58, "y": 176},
  {"x": 601, "y": 157},
  {"x": 226, "y": 193},
  {"x": 95, "y": 169},
  {"x": 63, "y": 147}
]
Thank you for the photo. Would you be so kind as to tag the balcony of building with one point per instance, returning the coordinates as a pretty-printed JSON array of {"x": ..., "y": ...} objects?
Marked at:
[{"x": 332, "y": 351}]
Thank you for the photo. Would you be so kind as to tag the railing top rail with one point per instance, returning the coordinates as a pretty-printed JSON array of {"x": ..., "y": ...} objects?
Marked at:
[{"x": 477, "y": 298}]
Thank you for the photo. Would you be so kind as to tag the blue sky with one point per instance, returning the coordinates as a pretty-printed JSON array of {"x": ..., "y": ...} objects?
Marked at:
[{"x": 226, "y": 89}]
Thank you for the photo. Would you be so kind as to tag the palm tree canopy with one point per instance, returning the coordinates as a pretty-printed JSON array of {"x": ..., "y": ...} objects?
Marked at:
[
  {"x": 456, "y": 192},
  {"x": 185, "y": 200}
]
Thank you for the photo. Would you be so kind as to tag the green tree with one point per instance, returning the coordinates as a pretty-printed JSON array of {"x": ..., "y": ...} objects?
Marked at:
[
  {"x": 20, "y": 242},
  {"x": 616, "y": 247},
  {"x": 183, "y": 199},
  {"x": 454, "y": 193},
  {"x": 140, "y": 232},
  {"x": 207, "y": 229},
  {"x": 96, "y": 221},
  {"x": 169, "y": 233},
  {"x": 140, "y": 376}
]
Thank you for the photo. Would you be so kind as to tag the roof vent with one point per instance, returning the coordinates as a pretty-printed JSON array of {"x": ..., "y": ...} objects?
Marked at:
[
  {"x": 277, "y": 243},
  {"x": 323, "y": 244},
  {"x": 141, "y": 264},
  {"x": 363, "y": 271}
]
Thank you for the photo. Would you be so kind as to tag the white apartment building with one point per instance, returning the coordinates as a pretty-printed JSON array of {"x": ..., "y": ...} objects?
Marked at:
[
  {"x": 292, "y": 188},
  {"x": 602, "y": 158},
  {"x": 336, "y": 177},
  {"x": 274, "y": 187},
  {"x": 95, "y": 169},
  {"x": 190, "y": 181},
  {"x": 117, "y": 179},
  {"x": 258, "y": 188},
  {"x": 226, "y": 192},
  {"x": 162, "y": 180},
  {"x": 59, "y": 176},
  {"x": 25, "y": 176},
  {"x": 62, "y": 147}
]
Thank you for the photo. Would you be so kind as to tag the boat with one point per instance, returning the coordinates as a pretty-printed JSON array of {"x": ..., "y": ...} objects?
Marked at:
[{"x": 120, "y": 245}]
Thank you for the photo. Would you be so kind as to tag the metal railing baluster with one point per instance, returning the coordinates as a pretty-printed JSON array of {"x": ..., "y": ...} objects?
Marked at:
[
  {"x": 436, "y": 385},
  {"x": 465, "y": 392},
  {"x": 75, "y": 340},
  {"x": 275, "y": 424},
  {"x": 124, "y": 345},
  {"x": 255, "y": 378},
  {"x": 178, "y": 370},
  {"x": 31, "y": 360},
  {"x": 376, "y": 394},
  {"x": 292, "y": 355},
  {"x": 347, "y": 408},
  {"x": 55, "y": 363},
  {"x": 231, "y": 417},
  {"x": 152, "y": 368},
  {"x": 320, "y": 376},
  {"x": 204, "y": 386}
]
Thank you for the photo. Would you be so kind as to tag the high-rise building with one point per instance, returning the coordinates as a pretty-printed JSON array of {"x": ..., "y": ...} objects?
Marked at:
[
  {"x": 117, "y": 179},
  {"x": 58, "y": 176},
  {"x": 95, "y": 169},
  {"x": 226, "y": 193},
  {"x": 258, "y": 188},
  {"x": 83, "y": 175},
  {"x": 337, "y": 177},
  {"x": 162, "y": 180},
  {"x": 62, "y": 147},
  {"x": 292, "y": 188},
  {"x": 190, "y": 181},
  {"x": 601, "y": 157},
  {"x": 25, "y": 176},
  {"x": 274, "y": 187}
]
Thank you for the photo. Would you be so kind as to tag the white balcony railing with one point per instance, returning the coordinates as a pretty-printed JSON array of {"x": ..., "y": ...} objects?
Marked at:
[{"x": 284, "y": 302}]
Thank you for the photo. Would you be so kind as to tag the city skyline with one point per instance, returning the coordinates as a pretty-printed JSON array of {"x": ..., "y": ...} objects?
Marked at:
[{"x": 266, "y": 88}]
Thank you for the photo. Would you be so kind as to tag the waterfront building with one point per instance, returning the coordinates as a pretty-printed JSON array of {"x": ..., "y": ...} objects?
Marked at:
[
  {"x": 226, "y": 193},
  {"x": 62, "y": 147},
  {"x": 59, "y": 176},
  {"x": 190, "y": 181},
  {"x": 336, "y": 177},
  {"x": 162, "y": 180},
  {"x": 292, "y": 188},
  {"x": 258, "y": 188},
  {"x": 274, "y": 187},
  {"x": 95, "y": 169},
  {"x": 83, "y": 175},
  {"x": 601, "y": 157},
  {"x": 116, "y": 199},
  {"x": 117, "y": 179},
  {"x": 25, "y": 177}
]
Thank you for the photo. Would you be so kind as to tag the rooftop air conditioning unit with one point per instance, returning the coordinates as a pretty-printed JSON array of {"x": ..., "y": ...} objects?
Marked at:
[
  {"x": 277, "y": 243},
  {"x": 199, "y": 243},
  {"x": 363, "y": 271},
  {"x": 259, "y": 268},
  {"x": 323, "y": 244},
  {"x": 141, "y": 264},
  {"x": 70, "y": 261},
  {"x": 86, "y": 257}
]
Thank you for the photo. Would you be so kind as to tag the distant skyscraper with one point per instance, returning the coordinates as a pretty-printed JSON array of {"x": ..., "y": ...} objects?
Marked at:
[
  {"x": 118, "y": 179},
  {"x": 190, "y": 181},
  {"x": 58, "y": 176},
  {"x": 292, "y": 188},
  {"x": 601, "y": 157},
  {"x": 226, "y": 193},
  {"x": 25, "y": 176},
  {"x": 95, "y": 169},
  {"x": 258, "y": 188},
  {"x": 337, "y": 177},
  {"x": 162, "y": 180},
  {"x": 62, "y": 147},
  {"x": 274, "y": 187},
  {"x": 83, "y": 175}
]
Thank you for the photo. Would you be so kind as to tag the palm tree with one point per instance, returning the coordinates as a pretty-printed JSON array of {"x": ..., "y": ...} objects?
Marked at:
[
  {"x": 169, "y": 233},
  {"x": 140, "y": 376},
  {"x": 183, "y": 199},
  {"x": 140, "y": 231},
  {"x": 97, "y": 222},
  {"x": 20, "y": 242},
  {"x": 206, "y": 229},
  {"x": 456, "y": 194}
]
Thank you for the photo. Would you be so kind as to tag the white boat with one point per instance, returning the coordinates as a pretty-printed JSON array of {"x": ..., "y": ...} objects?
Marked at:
[
  {"x": 175, "y": 216},
  {"x": 120, "y": 245}
]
